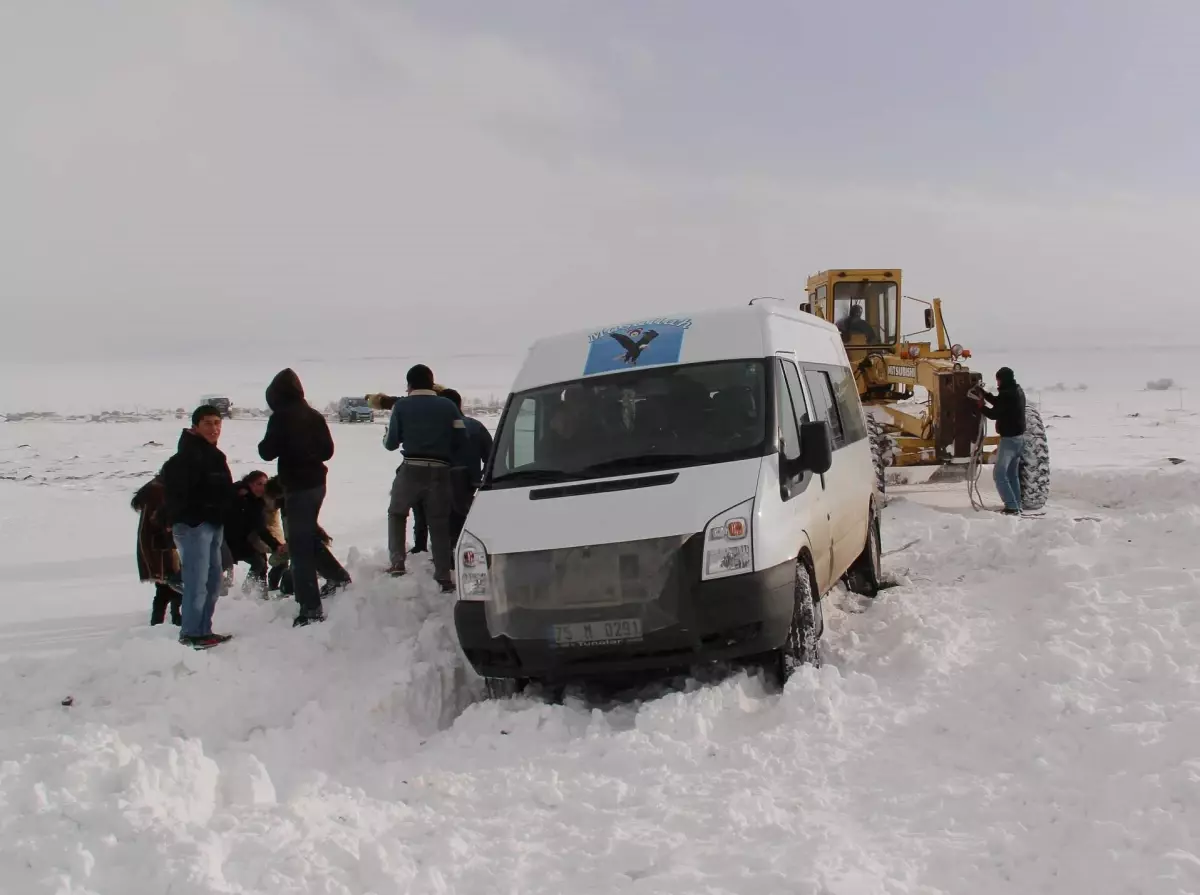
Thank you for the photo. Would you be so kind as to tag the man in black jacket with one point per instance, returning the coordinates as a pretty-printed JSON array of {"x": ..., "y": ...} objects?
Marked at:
[
  {"x": 1007, "y": 408},
  {"x": 199, "y": 490},
  {"x": 298, "y": 437}
]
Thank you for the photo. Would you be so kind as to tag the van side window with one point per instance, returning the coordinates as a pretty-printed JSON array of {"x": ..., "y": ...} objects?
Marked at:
[
  {"x": 824, "y": 404},
  {"x": 845, "y": 391},
  {"x": 524, "y": 434},
  {"x": 789, "y": 429},
  {"x": 799, "y": 402}
]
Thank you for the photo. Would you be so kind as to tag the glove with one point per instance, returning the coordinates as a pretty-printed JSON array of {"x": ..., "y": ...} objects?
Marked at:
[{"x": 380, "y": 401}]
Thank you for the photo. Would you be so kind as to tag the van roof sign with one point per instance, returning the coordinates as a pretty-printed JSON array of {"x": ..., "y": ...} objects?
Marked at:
[{"x": 648, "y": 343}]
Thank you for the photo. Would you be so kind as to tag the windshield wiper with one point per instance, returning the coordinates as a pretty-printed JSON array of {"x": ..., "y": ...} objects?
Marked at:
[
  {"x": 543, "y": 476},
  {"x": 640, "y": 461}
]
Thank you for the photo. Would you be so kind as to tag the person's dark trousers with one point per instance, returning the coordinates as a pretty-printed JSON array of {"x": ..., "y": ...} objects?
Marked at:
[
  {"x": 165, "y": 597},
  {"x": 429, "y": 483},
  {"x": 328, "y": 567},
  {"x": 303, "y": 508},
  {"x": 420, "y": 528},
  {"x": 463, "y": 497},
  {"x": 258, "y": 565},
  {"x": 275, "y": 577}
]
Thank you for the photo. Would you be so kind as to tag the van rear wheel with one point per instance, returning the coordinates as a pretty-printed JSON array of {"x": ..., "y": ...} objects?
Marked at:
[{"x": 866, "y": 575}]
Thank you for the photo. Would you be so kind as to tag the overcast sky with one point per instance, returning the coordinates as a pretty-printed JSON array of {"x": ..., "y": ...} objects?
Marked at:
[{"x": 375, "y": 177}]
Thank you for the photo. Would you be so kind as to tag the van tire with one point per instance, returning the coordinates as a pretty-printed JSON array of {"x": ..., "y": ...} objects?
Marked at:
[
  {"x": 808, "y": 624},
  {"x": 1035, "y": 463},
  {"x": 866, "y": 575},
  {"x": 503, "y": 687}
]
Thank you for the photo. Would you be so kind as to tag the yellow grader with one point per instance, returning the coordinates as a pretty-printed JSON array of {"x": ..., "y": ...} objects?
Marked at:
[{"x": 940, "y": 425}]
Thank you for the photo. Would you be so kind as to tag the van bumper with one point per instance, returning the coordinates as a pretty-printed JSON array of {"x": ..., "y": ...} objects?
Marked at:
[{"x": 721, "y": 620}]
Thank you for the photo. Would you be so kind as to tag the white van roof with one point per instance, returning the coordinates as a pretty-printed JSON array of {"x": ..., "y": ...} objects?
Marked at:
[{"x": 747, "y": 331}]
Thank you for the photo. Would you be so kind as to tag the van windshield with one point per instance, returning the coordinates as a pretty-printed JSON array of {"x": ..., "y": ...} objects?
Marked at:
[{"x": 653, "y": 419}]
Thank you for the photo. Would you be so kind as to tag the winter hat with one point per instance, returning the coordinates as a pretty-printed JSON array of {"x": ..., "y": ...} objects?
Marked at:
[{"x": 1005, "y": 376}]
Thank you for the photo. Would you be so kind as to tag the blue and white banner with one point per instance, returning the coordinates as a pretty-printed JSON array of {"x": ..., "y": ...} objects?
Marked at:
[{"x": 631, "y": 346}]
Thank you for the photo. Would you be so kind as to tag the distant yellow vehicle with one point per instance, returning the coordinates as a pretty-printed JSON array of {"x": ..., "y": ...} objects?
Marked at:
[{"x": 939, "y": 425}]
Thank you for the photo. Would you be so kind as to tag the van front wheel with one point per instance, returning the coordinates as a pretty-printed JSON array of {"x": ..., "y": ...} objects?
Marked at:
[{"x": 800, "y": 648}]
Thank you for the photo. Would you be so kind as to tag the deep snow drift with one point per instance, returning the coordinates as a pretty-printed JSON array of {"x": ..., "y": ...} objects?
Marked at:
[{"x": 1020, "y": 714}]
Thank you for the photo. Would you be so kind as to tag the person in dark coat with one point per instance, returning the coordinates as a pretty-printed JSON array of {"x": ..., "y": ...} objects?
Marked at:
[
  {"x": 246, "y": 532},
  {"x": 431, "y": 431},
  {"x": 298, "y": 437},
  {"x": 1007, "y": 408},
  {"x": 157, "y": 558},
  {"x": 199, "y": 491},
  {"x": 467, "y": 467}
]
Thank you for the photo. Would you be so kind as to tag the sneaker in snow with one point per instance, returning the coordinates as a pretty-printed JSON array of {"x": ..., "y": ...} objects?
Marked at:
[
  {"x": 303, "y": 621},
  {"x": 203, "y": 642},
  {"x": 419, "y": 548},
  {"x": 447, "y": 587},
  {"x": 396, "y": 569}
]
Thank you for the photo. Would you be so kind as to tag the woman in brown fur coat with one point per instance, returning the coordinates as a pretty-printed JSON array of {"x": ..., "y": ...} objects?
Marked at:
[{"x": 157, "y": 559}]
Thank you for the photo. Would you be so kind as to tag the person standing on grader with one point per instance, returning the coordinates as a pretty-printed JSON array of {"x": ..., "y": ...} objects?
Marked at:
[
  {"x": 432, "y": 432},
  {"x": 299, "y": 438},
  {"x": 1007, "y": 408},
  {"x": 199, "y": 490}
]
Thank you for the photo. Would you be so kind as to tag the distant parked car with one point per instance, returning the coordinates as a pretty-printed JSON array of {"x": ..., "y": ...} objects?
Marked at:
[
  {"x": 220, "y": 402},
  {"x": 355, "y": 410}
]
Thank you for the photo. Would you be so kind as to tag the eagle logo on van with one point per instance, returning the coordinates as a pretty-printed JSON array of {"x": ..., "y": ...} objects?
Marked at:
[
  {"x": 634, "y": 343},
  {"x": 651, "y": 342}
]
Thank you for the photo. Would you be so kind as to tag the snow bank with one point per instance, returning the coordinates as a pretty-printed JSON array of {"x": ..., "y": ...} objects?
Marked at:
[
  {"x": 165, "y": 751},
  {"x": 1147, "y": 490}
]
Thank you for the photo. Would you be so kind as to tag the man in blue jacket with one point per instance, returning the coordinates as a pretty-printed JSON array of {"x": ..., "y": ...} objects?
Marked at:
[
  {"x": 467, "y": 467},
  {"x": 432, "y": 432}
]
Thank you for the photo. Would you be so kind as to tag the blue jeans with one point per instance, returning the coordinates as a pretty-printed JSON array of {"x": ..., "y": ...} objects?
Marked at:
[
  {"x": 200, "y": 555},
  {"x": 1008, "y": 471}
]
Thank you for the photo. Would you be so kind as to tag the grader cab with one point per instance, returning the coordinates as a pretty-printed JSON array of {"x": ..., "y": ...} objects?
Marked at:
[{"x": 917, "y": 392}]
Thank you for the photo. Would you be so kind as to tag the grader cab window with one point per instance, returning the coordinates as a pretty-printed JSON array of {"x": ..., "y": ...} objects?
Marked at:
[{"x": 866, "y": 312}]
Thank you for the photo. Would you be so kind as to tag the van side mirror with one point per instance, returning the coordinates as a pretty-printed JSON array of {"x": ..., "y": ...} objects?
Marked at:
[
  {"x": 929, "y": 318},
  {"x": 816, "y": 447}
]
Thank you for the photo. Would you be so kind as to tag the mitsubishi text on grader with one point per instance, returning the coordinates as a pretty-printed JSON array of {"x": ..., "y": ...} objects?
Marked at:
[{"x": 918, "y": 395}]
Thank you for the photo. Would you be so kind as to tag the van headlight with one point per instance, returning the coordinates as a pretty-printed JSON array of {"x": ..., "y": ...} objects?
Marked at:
[
  {"x": 471, "y": 564},
  {"x": 728, "y": 543}
]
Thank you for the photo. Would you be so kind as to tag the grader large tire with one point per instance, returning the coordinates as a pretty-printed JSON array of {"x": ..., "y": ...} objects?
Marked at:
[
  {"x": 882, "y": 453},
  {"x": 1035, "y": 463}
]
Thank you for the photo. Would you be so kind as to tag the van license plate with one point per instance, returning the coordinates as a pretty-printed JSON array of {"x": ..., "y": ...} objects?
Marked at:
[{"x": 617, "y": 630}]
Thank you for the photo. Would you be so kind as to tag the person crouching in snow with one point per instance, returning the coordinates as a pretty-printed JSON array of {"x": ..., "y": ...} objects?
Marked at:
[
  {"x": 199, "y": 490},
  {"x": 246, "y": 532},
  {"x": 1008, "y": 410},
  {"x": 157, "y": 559}
]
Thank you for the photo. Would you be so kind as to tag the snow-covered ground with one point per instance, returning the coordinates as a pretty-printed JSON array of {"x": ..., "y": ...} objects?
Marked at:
[{"x": 1020, "y": 714}]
